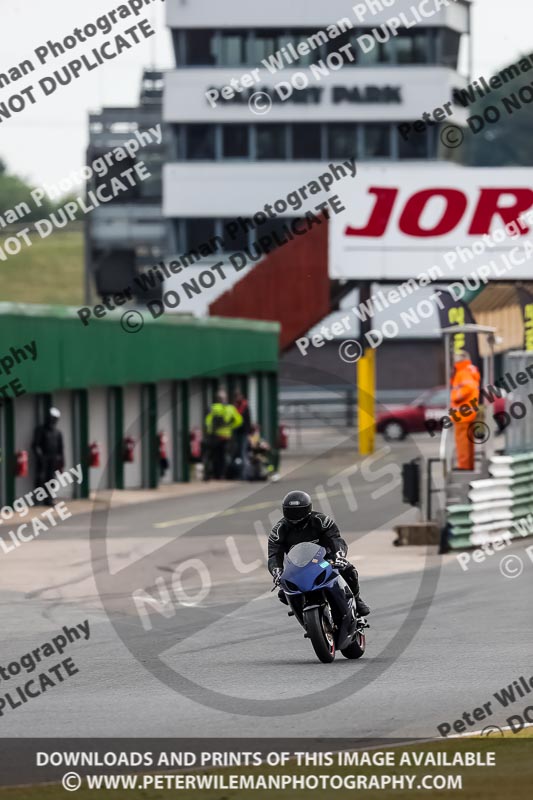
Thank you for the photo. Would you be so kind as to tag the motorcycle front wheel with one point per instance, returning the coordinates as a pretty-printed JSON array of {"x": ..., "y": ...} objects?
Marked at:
[{"x": 319, "y": 631}]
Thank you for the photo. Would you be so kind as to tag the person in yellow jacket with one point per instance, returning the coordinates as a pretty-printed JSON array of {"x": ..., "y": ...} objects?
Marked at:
[
  {"x": 465, "y": 392},
  {"x": 220, "y": 423}
]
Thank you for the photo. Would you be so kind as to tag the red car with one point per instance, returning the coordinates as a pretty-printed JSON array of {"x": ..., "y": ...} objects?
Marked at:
[{"x": 396, "y": 422}]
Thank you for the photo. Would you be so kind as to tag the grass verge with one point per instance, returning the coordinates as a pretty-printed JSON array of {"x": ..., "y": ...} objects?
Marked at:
[{"x": 50, "y": 271}]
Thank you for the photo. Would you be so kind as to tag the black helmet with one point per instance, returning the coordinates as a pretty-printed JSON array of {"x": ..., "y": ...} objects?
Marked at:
[{"x": 297, "y": 506}]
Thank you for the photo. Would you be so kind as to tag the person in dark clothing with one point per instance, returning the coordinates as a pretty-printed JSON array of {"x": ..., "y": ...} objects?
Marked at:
[
  {"x": 47, "y": 446},
  {"x": 241, "y": 434},
  {"x": 301, "y": 524},
  {"x": 259, "y": 456}
]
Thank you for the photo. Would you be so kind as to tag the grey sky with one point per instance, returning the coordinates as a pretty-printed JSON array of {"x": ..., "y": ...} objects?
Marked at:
[{"x": 47, "y": 141}]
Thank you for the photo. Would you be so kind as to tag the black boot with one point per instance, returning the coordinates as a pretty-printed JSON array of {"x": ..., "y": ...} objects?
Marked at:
[
  {"x": 362, "y": 608},
  {"x": 282, "y": 598},
  {"x": 351, "y": 576}
]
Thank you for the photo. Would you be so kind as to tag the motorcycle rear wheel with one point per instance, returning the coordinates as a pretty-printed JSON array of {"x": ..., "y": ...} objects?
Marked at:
[
  {"x": 357, "y": 648},
  {"x": 321, "y": 635}
]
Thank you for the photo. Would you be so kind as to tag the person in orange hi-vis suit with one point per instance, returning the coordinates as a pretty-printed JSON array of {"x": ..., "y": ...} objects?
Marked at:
[{"x": 465, "y": 392}]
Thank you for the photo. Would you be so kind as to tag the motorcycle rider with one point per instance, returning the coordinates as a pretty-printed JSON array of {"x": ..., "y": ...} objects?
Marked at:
[{"x": 301, "y": 524}]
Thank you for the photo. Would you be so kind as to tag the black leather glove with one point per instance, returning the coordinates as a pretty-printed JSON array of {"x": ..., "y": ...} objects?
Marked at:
[
  {"x": 276, "y": 575},
  {"x": 340, "y": 562}
]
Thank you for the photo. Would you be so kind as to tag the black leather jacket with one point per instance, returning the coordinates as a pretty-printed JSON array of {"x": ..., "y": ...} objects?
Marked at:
[{"x": 317, "y": 528}]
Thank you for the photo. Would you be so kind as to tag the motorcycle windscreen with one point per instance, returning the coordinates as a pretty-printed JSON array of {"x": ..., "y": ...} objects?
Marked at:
[{"x": 305, "y": 553}]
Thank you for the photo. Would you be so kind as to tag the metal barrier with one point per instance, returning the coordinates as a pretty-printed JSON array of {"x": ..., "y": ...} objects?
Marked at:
[
  {"x": 519, "y": 430},
  {"x": 332, "y": 406},
  {"x": 316, "y": 411}
]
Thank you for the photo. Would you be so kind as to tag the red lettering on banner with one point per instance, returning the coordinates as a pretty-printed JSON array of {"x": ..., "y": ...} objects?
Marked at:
[
  {"x": 488, "y": 207},
  {"x": 380, "y": 216},
  {"x": 456, "y": 202}
]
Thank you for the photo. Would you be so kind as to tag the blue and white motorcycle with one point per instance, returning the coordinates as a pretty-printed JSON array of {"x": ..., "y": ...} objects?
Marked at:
[{"x": 323, "y": 603}]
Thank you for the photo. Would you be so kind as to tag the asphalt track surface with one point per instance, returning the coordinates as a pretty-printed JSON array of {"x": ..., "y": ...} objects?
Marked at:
[{"x": 442, "y": 640}]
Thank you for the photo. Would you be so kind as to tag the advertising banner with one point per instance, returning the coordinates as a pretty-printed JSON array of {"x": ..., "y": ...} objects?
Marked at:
[{"x": 405, "y": 221}]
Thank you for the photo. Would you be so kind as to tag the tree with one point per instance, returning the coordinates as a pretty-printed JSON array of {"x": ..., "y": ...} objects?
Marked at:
[
  {"x": 14, "y": 191},
  {"x": 506, "y": 141}
]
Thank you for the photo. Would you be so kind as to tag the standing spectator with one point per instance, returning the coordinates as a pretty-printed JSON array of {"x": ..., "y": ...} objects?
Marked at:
[
  {"x": 242, "y": 433},
  {"x": 220, "y": 423},
  {"x": 47, "y": 446},
  {"x": 465, "y": 392}
]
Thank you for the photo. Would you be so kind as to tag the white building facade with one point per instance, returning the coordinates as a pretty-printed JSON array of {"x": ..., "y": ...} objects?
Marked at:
[{"x": 344, "y": 85}]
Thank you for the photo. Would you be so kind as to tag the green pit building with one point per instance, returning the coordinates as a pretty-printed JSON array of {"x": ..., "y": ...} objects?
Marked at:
[{"x": 120, "y": 384}]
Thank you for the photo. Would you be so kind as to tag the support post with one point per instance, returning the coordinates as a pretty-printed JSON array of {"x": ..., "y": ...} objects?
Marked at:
[
  {"x": 184, "y": 408},
  {"x": 272, "y": 380},
  {"x": 366, "y": 383}
]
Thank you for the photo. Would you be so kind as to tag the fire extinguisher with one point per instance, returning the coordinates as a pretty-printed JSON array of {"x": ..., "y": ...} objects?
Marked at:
[
  {"x": 129, "y": 444},
  {"x": 195, "y": 445},
  {"x": 283, "y": 437},
  {"x": 21, "y": 464},
  {"x": 94, "y": 454},
  {"x": 162, "y": 448}
]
